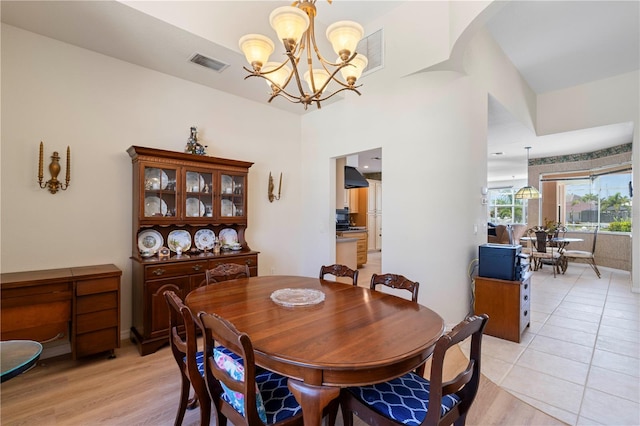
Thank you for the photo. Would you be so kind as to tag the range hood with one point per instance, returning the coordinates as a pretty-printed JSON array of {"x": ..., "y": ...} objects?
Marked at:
[{"x": 353, "y": 178}]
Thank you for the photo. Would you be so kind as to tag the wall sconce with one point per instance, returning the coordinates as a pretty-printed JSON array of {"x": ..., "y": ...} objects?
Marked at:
[
  {"x": 53, "y": 184},
  {"x": 270, "y": 189}
]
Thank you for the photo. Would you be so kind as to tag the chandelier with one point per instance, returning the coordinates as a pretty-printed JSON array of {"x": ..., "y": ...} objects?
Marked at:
[
  {"x": 294, "y": 26},
  {"x": 527, "y": 192}
]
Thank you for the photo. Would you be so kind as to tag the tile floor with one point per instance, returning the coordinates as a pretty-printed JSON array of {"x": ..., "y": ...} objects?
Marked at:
[{"x": 579, "y": 361}]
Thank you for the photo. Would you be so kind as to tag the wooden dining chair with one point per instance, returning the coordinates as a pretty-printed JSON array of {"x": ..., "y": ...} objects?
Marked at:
[
  {"x": 182, "y": 338},
  {"x": 414, "y": 400},
  {"x": 588, "y": 256},
  {"x": 226, "y": 271},
  {"x": 241, "y": 393},
  {"x": 543, "y": 252},
  {"x": 339, "y": 271},
  {"x": 396, "y": 281}
]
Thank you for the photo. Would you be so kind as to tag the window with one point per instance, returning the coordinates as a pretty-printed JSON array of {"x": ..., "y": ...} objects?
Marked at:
[
  {"x": 601, "y": 200},
  {"x": 504, "y": 208}
]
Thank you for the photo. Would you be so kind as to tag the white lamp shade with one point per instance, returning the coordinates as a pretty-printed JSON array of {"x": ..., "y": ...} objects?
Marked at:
[
  {"x": 357, "y": 65},
  {"x": 256, "y": 48},
  {"x": 289, "y": 23},
  {"x": 320, "y": 77},
  {"x": 280, "y": 76},
  {"x": 345, "y": 35}
]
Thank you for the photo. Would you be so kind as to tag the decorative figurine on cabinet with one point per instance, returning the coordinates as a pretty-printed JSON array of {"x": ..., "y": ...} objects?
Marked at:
[{"x": 193, "y": 146}]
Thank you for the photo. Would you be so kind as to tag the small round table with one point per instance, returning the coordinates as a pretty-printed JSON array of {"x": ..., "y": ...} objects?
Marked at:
[{"x": 17, "y": 356}]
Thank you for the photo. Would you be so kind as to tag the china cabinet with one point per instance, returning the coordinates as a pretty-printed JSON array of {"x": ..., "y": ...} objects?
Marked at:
[{"x": 182, "y": 204}]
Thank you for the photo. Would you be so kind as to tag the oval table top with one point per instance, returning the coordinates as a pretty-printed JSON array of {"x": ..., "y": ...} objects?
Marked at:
[{"x": 355, "y": 336}]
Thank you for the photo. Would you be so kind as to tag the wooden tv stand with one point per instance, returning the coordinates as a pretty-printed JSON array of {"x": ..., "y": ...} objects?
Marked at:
[
  {"x": 82, "y": 303},
  {"x": 508, "y": 304}
]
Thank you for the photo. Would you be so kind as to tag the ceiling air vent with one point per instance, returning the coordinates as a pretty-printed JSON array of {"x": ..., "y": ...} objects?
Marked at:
[
  {"x": 371, "y": 46},
  {"x": 210, "y": 63}
]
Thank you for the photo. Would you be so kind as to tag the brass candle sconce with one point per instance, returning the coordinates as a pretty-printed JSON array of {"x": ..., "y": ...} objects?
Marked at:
[
  {"x": 53, "y": 184},
  {"x": 270, "y": 193}
]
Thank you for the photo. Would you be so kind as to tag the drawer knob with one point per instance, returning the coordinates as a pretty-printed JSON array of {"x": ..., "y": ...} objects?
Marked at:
[
  {"x": 158, "y": 271},
  {"x": 526, "y": 313},
  {"x": 526, "y": 297},
  {"x": 197, "y": 267},
  {"x": 248, "y": 261}
]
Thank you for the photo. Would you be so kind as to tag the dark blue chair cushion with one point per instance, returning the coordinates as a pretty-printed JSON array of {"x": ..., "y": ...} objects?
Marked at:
[
  {"x": 279, "y": 402},
  {"x": 404, "y": 399}
]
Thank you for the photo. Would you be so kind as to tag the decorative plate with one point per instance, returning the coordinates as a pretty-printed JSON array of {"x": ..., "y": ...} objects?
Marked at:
[
  {"x": 155, "y": 179},
  {"x": 195, "y": 182},
  {"x": 151, "y": 240},
  {"x": 154, "y": 206},
  {"x": 227, "y": 184},
  {"x": 195, "y": 207},
  {"x": 227, "y": 208},
  {"x": 228, "y": 236},
  {"x": 204, "y": 239},
  {"x": 180, "y": 238},
  {"x": 297, "y": 296}
]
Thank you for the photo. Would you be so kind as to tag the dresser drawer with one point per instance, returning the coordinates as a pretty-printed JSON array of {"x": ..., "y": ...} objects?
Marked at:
[
  {"x": 97, "y": 341},
  {"x": 97, "y": 302},
  {"x": 96, "y": 321},
  {"x": 97, "y": 286},
  {"x": 153, "y": 272}
]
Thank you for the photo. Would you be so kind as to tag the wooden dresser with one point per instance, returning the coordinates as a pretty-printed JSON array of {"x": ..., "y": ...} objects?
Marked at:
[
  {"x": 79, "y": 303},
  {"x": 508, "y": 304}
]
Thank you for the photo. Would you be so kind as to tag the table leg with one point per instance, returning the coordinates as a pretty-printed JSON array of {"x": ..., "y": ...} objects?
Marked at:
[{"x": 312, "y": 399}]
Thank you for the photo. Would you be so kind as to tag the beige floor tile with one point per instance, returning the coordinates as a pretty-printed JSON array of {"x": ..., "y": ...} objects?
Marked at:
[
  {"x": 543, "y": 387},
  {"x": 622, "y": 347},
  {"x": 495, "y": 369},
  {"x": 622, "y": 307},
  {"x": 577, "y": 315},
  {"x": 614, "y": 383},
  {"x": 616, "y": 313},
  {"x": 626, "y": 298},
  {"x": 572, "y": 351},
  {"x": 534, "y": 326},
  {"x": 568, "y": 335},
  {"x": 502, "y": 349},
  {"x": 608, "y": 409},
  {"x": 562, "y": 415},
  {"x": 540, "y": 317},
  {"x": 556, "y": 365},
  {"x": 618, "y": 333},
  {"x": 586, "y": 299},
  {"x": 596, "y": 310},
  {"x": 615, "y": 362},
  {"x": 621, "y": 323},
  {"x": 573, "y": 324},
  {"x": 583, "y": 421}
]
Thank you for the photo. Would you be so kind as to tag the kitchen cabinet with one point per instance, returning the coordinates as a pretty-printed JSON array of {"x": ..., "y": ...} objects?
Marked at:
[
  {"x": 361, "y": 244},
  {"x": 374, "y": 214},
  {"x": 508, "y": 304},
  {"x": 353, "y": 200},
  {"x": 195, "y": 198}
]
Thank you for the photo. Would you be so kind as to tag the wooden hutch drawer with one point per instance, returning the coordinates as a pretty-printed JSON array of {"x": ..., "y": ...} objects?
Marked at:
[
  {"x": 97, "y": 302},
  {"x": 96, "y": 321},
  {"x": 167, "y": 270}
]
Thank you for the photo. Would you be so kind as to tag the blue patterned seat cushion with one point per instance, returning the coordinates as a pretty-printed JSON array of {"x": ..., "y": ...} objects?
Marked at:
[
  {"x": 200, "y": 358},
  {"x": 274, "y": 400},
  {"x": 404, "y": 399}
]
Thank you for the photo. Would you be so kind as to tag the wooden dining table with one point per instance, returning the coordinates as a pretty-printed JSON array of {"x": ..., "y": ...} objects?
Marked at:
[{"x": 355, "y": 336}]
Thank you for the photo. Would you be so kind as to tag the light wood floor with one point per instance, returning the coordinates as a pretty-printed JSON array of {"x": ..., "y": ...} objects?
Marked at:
[{"x": 135, "y": 390}]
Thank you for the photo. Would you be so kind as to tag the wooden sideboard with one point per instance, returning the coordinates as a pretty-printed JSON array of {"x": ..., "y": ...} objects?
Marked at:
[
  {"x": 79, "y": 303},
  {"x": 508, "y": 304}
]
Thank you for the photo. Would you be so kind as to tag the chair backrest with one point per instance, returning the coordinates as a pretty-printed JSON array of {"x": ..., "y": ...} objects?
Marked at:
[
  {"x": 339, "y": 271},
  {"x": 466, "y": 383},
  {"x": 396, "y": 281},
  {"x": 217, "y": 329},
  {"x": 226, "y": 271},
  {"x": 184, "y": 349},
  {"x": 541, "y": 241}
]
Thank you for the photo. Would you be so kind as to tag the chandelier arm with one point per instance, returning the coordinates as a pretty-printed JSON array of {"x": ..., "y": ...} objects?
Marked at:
[{"x": 336, "y": 92}]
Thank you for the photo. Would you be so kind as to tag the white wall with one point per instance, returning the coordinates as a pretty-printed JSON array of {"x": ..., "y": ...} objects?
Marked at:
[{"x": 99, "y": 106}]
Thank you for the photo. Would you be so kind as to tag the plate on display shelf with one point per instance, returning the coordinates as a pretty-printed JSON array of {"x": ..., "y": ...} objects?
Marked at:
[
  {"x": 228, "y": 236},
  {"x": 150, "y": 240},
  {"x": 179, "y": 238},
  {"x": 227, "y": 208},
  {"x": 297, "y": 296},
  {"x": 154, "y": 206},
  {"x": 204, "y": 239},
  {"x": 155, "y": 179},
  {"x": 226, "y": 184},
  {"x": 195, "y": 207},
  {"x": 195, "y": 182}
]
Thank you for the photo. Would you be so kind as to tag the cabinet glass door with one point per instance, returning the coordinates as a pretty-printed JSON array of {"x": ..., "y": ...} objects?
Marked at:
[
  {"x": 199, "y": 194},
  {"x": 232, "y": 196},
  {"x": 159, "y": 192}
]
